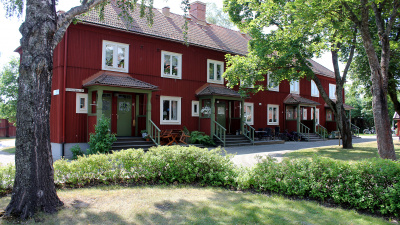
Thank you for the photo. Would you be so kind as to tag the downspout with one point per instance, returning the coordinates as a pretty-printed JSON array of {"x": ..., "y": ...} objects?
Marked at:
[{"x": 64, "y": 93}]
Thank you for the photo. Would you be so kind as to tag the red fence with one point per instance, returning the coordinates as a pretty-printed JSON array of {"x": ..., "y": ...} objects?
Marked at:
[{"x": 7, "y": 129}]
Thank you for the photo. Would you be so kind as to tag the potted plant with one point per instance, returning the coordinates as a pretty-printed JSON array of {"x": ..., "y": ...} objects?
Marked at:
[
  {"x": 144, "y": 133},
  {"x": 147, "y": 137}
]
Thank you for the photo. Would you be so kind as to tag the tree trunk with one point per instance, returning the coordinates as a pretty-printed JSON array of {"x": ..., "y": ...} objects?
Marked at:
[{"x": 34, "y": 180}]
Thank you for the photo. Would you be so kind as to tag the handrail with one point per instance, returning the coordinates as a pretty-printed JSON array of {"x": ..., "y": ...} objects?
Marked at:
[
  {"x": 220, "y": 132},
  {"x": 304, "y": 129},
  {"x": 154, "y": 133},
  {"x": 248, "y": 132},
  {"x": 321, "y": 131},
  {"x": 356, "y": 129}
]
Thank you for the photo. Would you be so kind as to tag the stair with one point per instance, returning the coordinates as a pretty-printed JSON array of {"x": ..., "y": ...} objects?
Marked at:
[
  {"x": 312, "y": 137},
  {"x": 131, "y": 142},
  {"x": 233, "y": 140}
]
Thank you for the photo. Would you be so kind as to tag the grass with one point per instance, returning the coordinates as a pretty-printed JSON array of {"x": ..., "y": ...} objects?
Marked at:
[
  {"x": 188, "y": 205},
  {"x": 360, "y": 151},
  {"x": 9, "y": 150}
]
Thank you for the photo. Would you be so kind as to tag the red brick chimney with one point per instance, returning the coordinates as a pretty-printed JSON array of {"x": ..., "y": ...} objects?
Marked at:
[{"x": 198, "y": 11}]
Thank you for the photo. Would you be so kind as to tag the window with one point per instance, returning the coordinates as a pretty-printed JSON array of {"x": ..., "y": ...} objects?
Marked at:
[
  {"x": 215, "y": 69},
  {"x": 171, "y": 65},
  {"x": 304, "y": 113},
  {"x": 272, "y": 86},
  {"x": 244, "y": 84},
  {"x": 316, "y": 116},
  {"x": 273, "y": 115},
  {"x": 170, "y": 110},
  {"x": 115, "y": 56},
  {"x": 329, "y": 115},
  {"x": 249, "y": 113},
  {"x": 195, "y": 108},
  {"x": 81, "y": 103},
  {"x": 332, "y": 91},
  {"x": 314, "y": 89},
  {"x": 294, "y": 87},
  {"x": 312, "y": 114},
  {"x": 291, "y": 112}
]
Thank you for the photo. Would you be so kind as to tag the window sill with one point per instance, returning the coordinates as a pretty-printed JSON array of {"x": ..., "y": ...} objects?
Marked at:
[
  {"x": 172, "y": 77},
  {"x": 215, "y": 82},
  {"x": 170, "y": 123},
  {"x": 125, "y": 70}
]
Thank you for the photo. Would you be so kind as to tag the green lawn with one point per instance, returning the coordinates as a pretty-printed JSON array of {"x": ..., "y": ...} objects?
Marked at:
[
  {"x": 6, "y": 138},
  {"x": 359, "y": 152},
  {"x": 9, "y": 150},
  {"x": 189, "y": 205}
]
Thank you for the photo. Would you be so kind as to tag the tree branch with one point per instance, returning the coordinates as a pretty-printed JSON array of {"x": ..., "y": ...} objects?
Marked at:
[
  {"x": 65, "y": 19},
  {"x": 350, "y": 59},
  {"x": 392, "y": 19},
  {"x": 353, "y": 16}
]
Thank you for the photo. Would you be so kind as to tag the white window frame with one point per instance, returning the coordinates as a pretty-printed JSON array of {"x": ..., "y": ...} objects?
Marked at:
[
  {"x": 332, "y": 91},
  {"x": 251, "y": 122},
  {"x": 304, "y": 114},
  {"x": 314, "y": 89},
  {"x": 80, "y": 96},
  {"x": 170, "y": 122},
  {"x": 312, "y": 114},
  {"x": 179, "y": 56},
  {"x": 277, "y": 115},
  {"x": 215, "y": 81},
  {"x": 276, "y": 88},
  {"x": 115, "y": 56},
  {"x": 194, "y": 113},
  {"x": 317, "y": 116},
  {"x": 295, "y": 87}
]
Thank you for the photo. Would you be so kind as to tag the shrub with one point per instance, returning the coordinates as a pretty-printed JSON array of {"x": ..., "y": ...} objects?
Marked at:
[
  {"x": 101, "y": 140},
  {"x": 76, "y": 151},
  {"x": 7, "y": 174},
  {"x": 201, "y": 138}
]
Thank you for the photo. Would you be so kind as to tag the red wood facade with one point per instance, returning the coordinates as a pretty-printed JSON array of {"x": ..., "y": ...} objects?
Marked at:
[{"x": 79, "y": 55}]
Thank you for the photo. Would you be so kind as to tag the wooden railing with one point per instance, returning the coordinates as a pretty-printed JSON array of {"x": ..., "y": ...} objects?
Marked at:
[
  {"x": 154, "y": 133},
  {"x": 248, "y": 132},
  {"x": 220, "y": 132},
  {"x": 321, "y": 131},
  {"x": 304, "y": 130},
  {"x": 355, "y": 130}
]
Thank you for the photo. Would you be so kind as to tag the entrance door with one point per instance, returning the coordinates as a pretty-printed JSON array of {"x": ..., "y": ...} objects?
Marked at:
[
  {"x": 221, "y": 115},
  {"x": 124, "y": 118}
]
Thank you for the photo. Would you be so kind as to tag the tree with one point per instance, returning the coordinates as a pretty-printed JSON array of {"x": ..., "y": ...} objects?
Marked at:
[
  {"x": 216, "y": 16},
  {"x": 9, "y": 90},
  {"x": 41, "y": 31},
  {"x": 301, "y": 33}
]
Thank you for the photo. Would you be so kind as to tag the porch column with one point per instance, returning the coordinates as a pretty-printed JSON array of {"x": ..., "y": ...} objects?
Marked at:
[
  {"x": 137, "y": 103},
  {"x": 90, "y": 101},
  {"x": 148, "y": 112},
  {"x": 242, "y": 115},
  {"x": 200, "y": 105},
  {"x": 99, "y": 101},
  {"x": 314, "y": 123},
  {"x": 298, "y": 118},
  {"x": 212, "y": 117}
]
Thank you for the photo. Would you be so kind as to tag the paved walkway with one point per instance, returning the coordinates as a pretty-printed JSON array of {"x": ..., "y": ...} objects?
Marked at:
[{"x": 246, "y": 155}]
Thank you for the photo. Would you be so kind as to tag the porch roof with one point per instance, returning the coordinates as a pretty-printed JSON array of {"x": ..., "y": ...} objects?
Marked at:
[
  {"x": 115, "y": 79},
  {"x": 346, "y": 107},
  {"x": 218, "y": 90},
  {"x": 294, "y": 99},
  {"x": 396, "y": 116}
]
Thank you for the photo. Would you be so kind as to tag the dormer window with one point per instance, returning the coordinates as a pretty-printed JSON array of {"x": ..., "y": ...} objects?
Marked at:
[
  {"x": 272, "y": 86},
  {"x": 215, "y": 69},
  {"x": 171, "y": 65},
  {"x": 115, "y": 56}
]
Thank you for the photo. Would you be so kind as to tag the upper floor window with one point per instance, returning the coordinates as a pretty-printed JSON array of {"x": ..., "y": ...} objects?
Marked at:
[
  {"x": 272, "y": 86},
  {"x": 295, "y": 87},
  {"x": 314, "y": 89},
  {"x": 215, "y": 69},
  {"x": 171, "y": 65},
  {"x": 115, "y": 56},
  {"x": 332, "y": 91}
]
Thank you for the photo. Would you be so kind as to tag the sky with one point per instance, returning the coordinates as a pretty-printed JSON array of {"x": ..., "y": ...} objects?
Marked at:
[{"x": 10, "y": 35}]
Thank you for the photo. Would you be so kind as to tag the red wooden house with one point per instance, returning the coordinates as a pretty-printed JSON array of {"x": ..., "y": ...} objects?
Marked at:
[{"x": 146, "y": 78}]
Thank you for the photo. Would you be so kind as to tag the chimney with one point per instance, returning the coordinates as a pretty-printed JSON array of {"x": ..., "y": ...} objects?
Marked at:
[
  {"x": 165, "y": 11},
  {"x": 198, "y": 11}
]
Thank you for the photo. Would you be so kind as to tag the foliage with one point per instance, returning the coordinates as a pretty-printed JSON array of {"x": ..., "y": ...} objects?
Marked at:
[
  {"x": 76, "y": 151},
  {"x": 101, "y": 140},
  {"x": 7, "y": 174},
  {"x": 372, "y": 185},
  {"x": 215, "y": 15},
  {"x": 9, "y": 90},
  {"x": 201, "y": 138}
]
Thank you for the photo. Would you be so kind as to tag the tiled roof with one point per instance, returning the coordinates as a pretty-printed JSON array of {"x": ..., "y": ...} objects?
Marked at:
[
  {"x": 293, "y": 99},
  {"x": 215, "y": 89},
  {"x": 346, "y": 107},
  {"x": 107, "y": 78},
  {"x": 209, "y": 36}
]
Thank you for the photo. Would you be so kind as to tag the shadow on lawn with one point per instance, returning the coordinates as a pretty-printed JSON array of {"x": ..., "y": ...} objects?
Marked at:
[{"x": 233, "y": 208}]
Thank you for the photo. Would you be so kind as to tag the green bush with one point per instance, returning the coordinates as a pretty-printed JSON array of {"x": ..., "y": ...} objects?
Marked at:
[
  {"x": 101, "y": 140},
  {"x": 76, "y": 151},
  {"x": 201, "y": 138},
  {"x": 371, "y": 184},
  {"x": 7, "y": 174}
]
